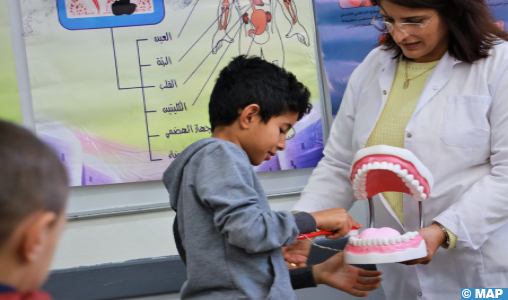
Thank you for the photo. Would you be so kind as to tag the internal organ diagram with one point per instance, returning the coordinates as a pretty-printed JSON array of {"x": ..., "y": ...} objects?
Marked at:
[{"x": 259, "y": 34}]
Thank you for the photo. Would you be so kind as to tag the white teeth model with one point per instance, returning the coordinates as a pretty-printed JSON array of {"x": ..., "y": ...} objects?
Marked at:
[
  {"x": 356, "y": 241},
  {"x": 360, "y": 179},
  {"x": 416, "y": 186}
]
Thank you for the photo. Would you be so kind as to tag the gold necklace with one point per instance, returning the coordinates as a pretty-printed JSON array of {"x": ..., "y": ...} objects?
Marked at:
[{"x": 406, "y": 83}]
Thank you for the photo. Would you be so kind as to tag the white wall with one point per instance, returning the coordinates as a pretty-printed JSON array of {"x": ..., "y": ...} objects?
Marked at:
[
  {"x": 144, "y": 235},
  {"x": 122, "y": 238}
]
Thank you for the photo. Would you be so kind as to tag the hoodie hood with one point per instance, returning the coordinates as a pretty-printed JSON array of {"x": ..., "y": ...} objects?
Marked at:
[{"x": 173, "y": 175}]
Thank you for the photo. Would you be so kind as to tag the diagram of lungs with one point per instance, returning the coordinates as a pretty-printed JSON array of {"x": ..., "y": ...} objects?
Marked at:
[
  {"x": 94, "y": 14},
  {"x": 354, "y": 3}
]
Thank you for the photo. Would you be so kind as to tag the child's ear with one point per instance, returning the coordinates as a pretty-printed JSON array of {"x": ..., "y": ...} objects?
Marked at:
[
  {"x": 35, "y": 236},
  {"x": 248, "y": 114}
]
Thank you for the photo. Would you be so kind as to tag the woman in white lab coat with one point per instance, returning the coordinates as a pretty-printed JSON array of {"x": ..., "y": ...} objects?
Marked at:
[{"x": 458, "y": 128}]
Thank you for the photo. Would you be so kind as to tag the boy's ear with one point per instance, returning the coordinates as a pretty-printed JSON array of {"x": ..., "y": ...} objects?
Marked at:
[
  {"x": 35, "y": 236},
  {"x": 248, "y": 114}
]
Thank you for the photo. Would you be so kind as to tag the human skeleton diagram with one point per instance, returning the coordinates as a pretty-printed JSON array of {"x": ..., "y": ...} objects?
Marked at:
[{"x": 259, "y": 34}]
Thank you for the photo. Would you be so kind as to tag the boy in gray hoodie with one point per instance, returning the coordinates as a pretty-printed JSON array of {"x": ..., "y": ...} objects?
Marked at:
[{"x": 224, "y": 229}]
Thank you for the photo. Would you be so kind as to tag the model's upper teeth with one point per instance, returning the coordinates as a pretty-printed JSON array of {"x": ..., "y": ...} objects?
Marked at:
[
  {"x": 382, "y": 241},
  {"x": 361, "y": 176}
]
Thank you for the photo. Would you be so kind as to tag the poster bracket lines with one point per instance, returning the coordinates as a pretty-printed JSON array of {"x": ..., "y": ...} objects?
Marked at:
[
  {"x": 142, "y": 87},
  {"x": 116, "y": 68},
  {"x": 144, "y": 101}
]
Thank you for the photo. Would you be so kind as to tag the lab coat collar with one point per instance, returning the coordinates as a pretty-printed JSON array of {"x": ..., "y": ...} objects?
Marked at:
[
  {"x": 435, "y": 82},
  {"x": 386, "y": 59}
]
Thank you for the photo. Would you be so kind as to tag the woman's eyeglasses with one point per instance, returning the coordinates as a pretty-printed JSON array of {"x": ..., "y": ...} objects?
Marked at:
[{"x": 409, "y": 28}]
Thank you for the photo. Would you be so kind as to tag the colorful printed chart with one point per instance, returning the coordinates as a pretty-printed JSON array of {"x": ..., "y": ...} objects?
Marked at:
[
  {"x": 120, "y": 88},
  {"x": 10, "y": 108}
]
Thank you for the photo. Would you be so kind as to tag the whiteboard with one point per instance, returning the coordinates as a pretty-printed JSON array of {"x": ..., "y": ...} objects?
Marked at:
[{"x": 113, "y": 199}]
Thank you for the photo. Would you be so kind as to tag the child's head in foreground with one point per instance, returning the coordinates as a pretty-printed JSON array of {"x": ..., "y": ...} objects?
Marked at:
[
  {"x": 33, "y": 195},
  {"x": 254, "y": 104}
]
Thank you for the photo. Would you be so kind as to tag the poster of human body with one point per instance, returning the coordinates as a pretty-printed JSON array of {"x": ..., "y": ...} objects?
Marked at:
[
  {"x": 121, "y": 87},
  {"x": 347, "y": 37},
  {"x": 10, "y": 108}
]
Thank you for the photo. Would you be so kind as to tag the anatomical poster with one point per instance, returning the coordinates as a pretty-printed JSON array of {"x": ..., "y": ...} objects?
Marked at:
[
  {"x": 121, "y": 87},
  {"x": 10, "y": 108}
]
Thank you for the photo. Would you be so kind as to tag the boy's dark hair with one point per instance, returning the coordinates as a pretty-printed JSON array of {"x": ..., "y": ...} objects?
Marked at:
[
  {"x": 32, "y": 178},
  {"x": 471, "y": 25},
  {"x": 252, "y": 80}
]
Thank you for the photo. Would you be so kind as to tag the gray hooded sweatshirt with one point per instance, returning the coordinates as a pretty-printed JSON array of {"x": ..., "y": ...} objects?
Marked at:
[{"x": 225, "y": 230}]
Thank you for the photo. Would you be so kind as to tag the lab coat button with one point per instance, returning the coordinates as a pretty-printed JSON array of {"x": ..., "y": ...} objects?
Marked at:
[
  {"x": 384, "y": 92},
  {"x": 409, "y": 135},
  {"x": 436, "y": 87},
  {"x": 420, "y": 294}
]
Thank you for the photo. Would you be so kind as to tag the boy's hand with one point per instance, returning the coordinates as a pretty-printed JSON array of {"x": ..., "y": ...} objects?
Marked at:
[
  {"x": 337, "y": 274},
  {"x": 296, "y": 254},
  {"x": 335, "y": 219}
]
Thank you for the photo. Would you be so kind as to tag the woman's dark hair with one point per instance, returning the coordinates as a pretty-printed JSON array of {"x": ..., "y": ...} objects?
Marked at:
[
  {"x": 245, "y": 81},
  {"x": 32, "y": 178},
  {"x": 472, "y": 32}
]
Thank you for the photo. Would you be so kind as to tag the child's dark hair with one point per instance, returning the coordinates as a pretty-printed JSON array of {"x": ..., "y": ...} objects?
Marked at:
[
  {"x": 252, "y": 80},
  {"x": 32, "y": 178}
]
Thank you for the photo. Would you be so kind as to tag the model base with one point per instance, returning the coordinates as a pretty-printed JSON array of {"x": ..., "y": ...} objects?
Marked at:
[{"x": 385, "y": 258}]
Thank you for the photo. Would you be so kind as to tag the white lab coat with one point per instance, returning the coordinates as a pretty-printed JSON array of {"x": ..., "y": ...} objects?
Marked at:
[{"x": 459, "y": 130}]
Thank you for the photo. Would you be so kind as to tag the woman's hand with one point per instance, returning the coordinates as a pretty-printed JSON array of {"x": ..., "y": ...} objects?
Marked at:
[
  {"x": 337, "y": 274},
  {"x": 434, "y": 237},
  {"x": 296, "y": 254}
]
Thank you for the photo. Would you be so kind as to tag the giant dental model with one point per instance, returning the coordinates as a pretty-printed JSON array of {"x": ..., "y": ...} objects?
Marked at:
[{"x": 387, "y": 169}]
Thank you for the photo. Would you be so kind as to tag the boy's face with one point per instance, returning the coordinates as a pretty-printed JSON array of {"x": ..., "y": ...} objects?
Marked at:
[{"x": 265, "y": 139}]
